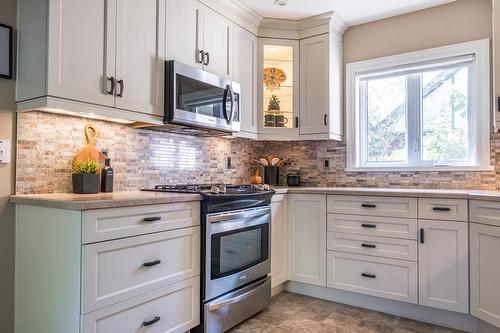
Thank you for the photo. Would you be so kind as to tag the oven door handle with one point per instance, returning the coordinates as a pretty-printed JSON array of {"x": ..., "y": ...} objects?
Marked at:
[
  {"x": 236, "y": 299},
  {"x": 238, "y": 215}
]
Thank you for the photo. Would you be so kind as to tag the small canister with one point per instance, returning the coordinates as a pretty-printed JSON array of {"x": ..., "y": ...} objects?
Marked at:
[{"x": 293, "y": 179}]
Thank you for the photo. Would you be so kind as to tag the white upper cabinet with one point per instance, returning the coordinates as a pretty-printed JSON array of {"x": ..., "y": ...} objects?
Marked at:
[
  {"x": 217, "y": 43},
  {"x": 184, "y": 16},
  {"x": 139, "y": 64},
  {"x": 102, "y": 57},
  {"x": 81, "y": 50},
  {"x": 199, "y": 36},
  {"x": 245, "y": 73},
  {"x": 314, "y": 85},
  {"x": 444, "y": 265}
]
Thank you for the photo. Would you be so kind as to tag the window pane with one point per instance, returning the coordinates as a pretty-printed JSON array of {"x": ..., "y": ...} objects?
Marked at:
[
  {"x": 445, "y": 100},
  {"x": 386, "y": 114}
]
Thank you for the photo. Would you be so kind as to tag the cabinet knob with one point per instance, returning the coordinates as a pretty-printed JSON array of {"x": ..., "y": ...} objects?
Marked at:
[
  {"x": 441, "y": 209},
  {"x": 371, "y": 226},
  {"x": 369, "y": 246},
  {"x": 422, "y": 235},
  {"x": 368, "y": 205},
  {"x": 297, "y": 122},
  {"x": 325, "y": 119}
]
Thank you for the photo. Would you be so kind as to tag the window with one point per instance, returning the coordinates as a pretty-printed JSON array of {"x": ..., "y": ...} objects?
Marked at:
[{"x": 421, "y": 110}]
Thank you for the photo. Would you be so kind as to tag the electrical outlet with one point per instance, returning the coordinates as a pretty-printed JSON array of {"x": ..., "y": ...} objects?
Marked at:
[
  {"x": 4, "y": 151},
  {"x": 229, "y": 163},
  {"x": 327, "y": 163}
]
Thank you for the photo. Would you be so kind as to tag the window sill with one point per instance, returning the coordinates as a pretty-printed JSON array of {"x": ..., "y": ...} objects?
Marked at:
[{"x": 415, "y": 169}]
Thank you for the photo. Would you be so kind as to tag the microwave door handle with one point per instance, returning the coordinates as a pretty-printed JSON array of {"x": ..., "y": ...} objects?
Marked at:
[
  {"x": 224, "y": 102},
  {"x": 231, "y": 114}
]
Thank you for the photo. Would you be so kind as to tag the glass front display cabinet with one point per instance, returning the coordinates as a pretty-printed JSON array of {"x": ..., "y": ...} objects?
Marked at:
[{"x": 279, "y": 92}]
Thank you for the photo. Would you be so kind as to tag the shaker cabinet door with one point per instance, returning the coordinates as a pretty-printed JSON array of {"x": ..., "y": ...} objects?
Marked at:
[
  {"x": 183, "y": 25},
  {"x": 81, "y": 50},
  {"x": 314, "y": 85},
  {"x": 307, "y": 238},
  {"x": 245, "y": 73},
  {"x": 279, "y": 241},
  {"x": 139, "y": 60},
  {"x": 217, "y": 43},
  {"x": 444, "y": 265},
  {"x": 485, "y": 273}
]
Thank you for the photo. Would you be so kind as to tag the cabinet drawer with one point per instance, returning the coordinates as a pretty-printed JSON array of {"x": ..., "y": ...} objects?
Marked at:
[
  {"x": 372, "y": 206},
  {"x": 387, "y": 278},
  {"x": 113, "y": 223},
  {"x": 374, "y": 246},
  {"x": 485, "y": 212},
  {"x": 443, "y": 209},
  {"x": 372, "y": 225},
  {"x": 117, "y": 270},
  {"x": 177, "y": 307}
]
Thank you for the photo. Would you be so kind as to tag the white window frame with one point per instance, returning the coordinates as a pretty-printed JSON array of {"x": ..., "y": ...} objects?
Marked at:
[{"x": 480, "y": 104}]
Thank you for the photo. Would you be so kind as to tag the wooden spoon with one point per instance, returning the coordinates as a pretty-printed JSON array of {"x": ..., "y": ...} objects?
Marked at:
[{"x": 263, "y": 161}]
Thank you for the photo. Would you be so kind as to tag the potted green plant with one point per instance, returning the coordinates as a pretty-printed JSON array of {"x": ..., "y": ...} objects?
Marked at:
[
  {"x": 274, "y": 103},
  {"x": 86, "y": 177}
]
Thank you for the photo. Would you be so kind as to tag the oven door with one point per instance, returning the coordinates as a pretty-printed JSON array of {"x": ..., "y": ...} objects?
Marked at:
[
  {"x": 237, "y": 249},
  {"x": 197, "y": 98}
]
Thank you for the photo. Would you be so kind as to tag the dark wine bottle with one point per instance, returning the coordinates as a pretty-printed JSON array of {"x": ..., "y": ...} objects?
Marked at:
[{"x": 107, "y": 174}]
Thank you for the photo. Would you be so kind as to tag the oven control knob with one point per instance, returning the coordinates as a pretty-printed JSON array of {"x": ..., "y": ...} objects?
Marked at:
[
  {"x": 222, "y": 189},
  {"x": 214, "y": 189}
]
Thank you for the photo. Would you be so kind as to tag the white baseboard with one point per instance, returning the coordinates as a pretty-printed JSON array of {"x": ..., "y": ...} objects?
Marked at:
[
  {"x": 445, "y": 318},
  {"x": 277, "y": 289}
]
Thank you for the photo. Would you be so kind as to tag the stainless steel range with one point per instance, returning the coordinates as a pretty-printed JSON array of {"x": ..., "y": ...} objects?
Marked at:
[{"x": 235, "y": 252}]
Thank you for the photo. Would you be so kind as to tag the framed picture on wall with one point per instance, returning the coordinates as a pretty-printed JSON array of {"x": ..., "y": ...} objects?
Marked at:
[{"x": 5, "y": 51}]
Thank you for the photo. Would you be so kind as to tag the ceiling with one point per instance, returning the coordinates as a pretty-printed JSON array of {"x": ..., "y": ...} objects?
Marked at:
[{"x": 352, "y": 11}]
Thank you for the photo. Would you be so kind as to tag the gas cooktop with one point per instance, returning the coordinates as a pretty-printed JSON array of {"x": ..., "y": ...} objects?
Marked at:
[{"x": 213, "y": 189}]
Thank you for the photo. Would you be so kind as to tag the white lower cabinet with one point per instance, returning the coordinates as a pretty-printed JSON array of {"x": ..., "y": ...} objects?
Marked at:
[
  {"x": 444, "y": 265},
  {"x": 382, "y": 277},
  {"x": 279, "y": 240},
  {"x": 307, "y": 242},
  {"x": 485, "y": 273},
  {"x": 171, "y": 309}
]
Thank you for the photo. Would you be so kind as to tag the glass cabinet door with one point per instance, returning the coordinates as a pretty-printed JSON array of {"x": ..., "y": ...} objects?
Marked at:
[{"x": 279, "y": 95}]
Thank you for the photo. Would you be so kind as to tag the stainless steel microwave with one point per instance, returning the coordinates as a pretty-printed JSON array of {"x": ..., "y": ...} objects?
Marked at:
[{"x": 196, "y": 98}]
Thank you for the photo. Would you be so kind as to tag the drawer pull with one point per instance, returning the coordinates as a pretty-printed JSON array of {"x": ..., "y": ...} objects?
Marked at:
[
  {"x": 368, "y": 225},
  {"x": 151, "y": 322},
  {"x": 371, "y": 276},
  {"x": 152, "y": 219},
  {"x": 368, "y": 205},
  {"x": 152, "y": 263},
  {"x": 441, "y": 209},
  {"x": 370, "y": 246},
  {"x": 422, "y": 236}
]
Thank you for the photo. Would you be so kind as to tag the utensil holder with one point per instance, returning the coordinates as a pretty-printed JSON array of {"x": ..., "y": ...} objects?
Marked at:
[{"x": 271, "y": 175}]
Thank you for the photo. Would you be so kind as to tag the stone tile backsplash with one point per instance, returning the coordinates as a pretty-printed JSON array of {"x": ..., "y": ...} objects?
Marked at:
[{"x": 46, "y": 144}]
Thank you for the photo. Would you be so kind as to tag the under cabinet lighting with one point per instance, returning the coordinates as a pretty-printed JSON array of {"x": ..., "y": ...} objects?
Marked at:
[{"x": 87, "y": 115}]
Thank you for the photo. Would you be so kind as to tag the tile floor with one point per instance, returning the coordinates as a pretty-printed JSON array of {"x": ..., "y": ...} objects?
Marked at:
[{"x": 293, "y": 313}]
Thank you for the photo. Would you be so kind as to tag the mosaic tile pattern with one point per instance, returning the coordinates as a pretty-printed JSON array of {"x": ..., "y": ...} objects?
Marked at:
[
  {"x": 46, "y": 144},
  {"x": 293, "y": 313},
  {"x": 308, "y": 158},
  {"x": 142, "y": 158}
]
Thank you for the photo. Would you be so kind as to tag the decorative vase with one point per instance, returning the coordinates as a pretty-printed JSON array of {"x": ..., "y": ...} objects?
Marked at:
[
  {"x": 86, "y": 183},
  {"x": 271, "y": 175}
]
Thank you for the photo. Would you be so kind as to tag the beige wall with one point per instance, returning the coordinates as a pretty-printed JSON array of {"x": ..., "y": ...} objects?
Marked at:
[
  {"x": 496, "y": 51},
  {"x": 7, "y": 130},
  {"x": 460, "y": 21}
]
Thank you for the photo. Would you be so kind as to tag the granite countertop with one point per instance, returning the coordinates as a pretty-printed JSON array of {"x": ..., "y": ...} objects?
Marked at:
[
  {"x": 395, "y": 192},
  {"x": 137, "y": 198},
  {"x": 101, "y": 200}
]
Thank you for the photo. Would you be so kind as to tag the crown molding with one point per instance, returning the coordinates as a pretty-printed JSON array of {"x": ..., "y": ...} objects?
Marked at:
[
  {"x": 328, "y": 22},
  {"x": 237, "y": 12}
]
